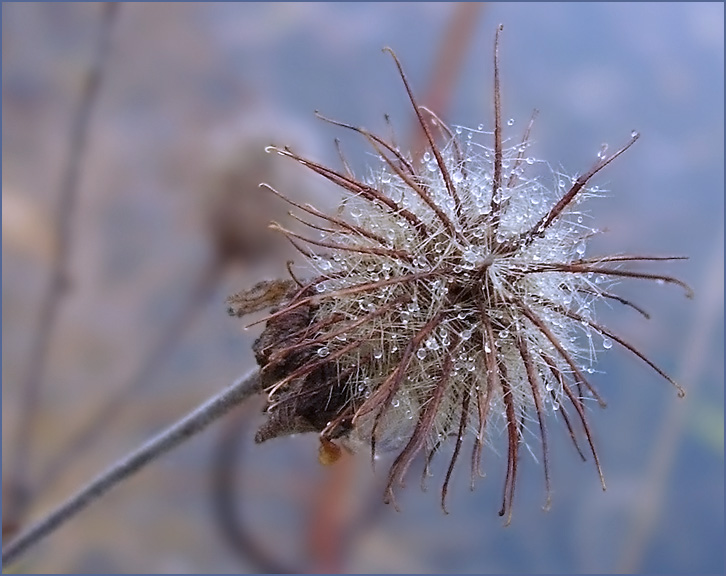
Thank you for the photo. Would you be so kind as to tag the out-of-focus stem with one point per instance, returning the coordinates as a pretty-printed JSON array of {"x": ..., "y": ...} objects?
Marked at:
[
  {"x": 226, "y": 486},
  {"x": 330, "y": 517},
  {"x": 645, "y": 511},
  {"x": 16, "y": 485},
  {"x": 453, "y": 47}
]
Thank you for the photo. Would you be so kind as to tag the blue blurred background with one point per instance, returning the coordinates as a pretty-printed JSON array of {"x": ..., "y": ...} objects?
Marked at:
[{"x": 192, "y": 93}]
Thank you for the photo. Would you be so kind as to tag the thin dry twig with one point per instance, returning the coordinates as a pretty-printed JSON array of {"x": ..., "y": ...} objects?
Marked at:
[
  {"x": 226, "y": 484},
  {"x": 190, "y": 425},
  {"x": 17, "y": 485}
]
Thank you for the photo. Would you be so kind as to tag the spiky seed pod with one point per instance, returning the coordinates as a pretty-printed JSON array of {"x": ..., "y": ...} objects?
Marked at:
[{"x": 451, "y": 296}]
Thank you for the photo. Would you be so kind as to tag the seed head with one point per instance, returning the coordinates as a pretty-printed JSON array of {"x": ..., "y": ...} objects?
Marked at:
[{"x": 451, "y": 296}]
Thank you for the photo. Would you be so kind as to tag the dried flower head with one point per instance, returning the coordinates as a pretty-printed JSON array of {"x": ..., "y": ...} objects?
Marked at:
[{"x": 451, "y": 297}]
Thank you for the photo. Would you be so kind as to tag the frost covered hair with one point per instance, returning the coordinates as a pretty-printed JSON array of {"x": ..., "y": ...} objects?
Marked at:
[{"x": 450, "y": 297}]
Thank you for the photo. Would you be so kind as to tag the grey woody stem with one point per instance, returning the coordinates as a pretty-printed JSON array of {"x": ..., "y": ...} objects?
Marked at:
[{"x": 182, "y": 430}]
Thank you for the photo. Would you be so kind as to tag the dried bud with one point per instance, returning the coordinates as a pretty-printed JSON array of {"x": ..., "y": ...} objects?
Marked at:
[{"x": 237, "y": 212}]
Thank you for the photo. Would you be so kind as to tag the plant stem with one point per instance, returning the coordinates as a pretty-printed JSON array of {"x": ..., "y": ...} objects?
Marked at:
[
  {"x": 449, "y": 60},
  {"x": 17, "y": 481},
  {"x": 182, "y": 430},
  {"x": 227, "y": 489}
]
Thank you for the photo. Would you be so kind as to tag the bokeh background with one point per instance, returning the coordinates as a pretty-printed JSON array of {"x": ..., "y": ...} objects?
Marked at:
[{"x": 168, "y": 222}]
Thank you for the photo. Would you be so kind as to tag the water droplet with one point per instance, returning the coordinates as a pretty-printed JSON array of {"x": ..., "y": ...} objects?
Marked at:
[
  {"x": 480, "y": 127},
  {"x": 378, "y": 354},
  {"x": 323, "y": 352},
  {"x": 580, "y": 249},
  {"x": 457, "y": 176},
  {"x": 471, "y": 255},
  {"x": 426, "y": 157},
  {"x": 510, "y": 122},
  {"x": 421, "y": 354},
  {"x": 530, "y": 160},
  {"x": 385, "y": 177},
  {"x": 395, "y": 403},
  {"x": 607, "y": 343},
  {"x": 555, "y": 405},
  {"x": 634, "y": 134},
  {"x": 487, "y": 348},
  {"x": 466, "y": 334},
  {"x": 603, "y": 150}
]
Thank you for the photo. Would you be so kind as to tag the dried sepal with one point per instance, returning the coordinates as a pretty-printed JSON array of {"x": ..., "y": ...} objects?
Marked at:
[{"x": 261, "y": 296}]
